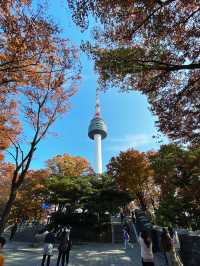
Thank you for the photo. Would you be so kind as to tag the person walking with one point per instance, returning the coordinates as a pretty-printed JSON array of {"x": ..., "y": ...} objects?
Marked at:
[
  {"x": 49, "y": 242},
  {"x": 122, "y": 216},
  {"x": 2, "y": 243},
  {"x": 13, "y": 231},
  {"x": 146, "y": 249},
  {"x": 126, "y": 237},
  {"x": 64, "y": 248}
]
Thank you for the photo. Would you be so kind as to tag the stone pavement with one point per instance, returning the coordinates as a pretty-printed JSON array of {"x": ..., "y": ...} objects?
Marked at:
[{"x": 18, "y": 254}]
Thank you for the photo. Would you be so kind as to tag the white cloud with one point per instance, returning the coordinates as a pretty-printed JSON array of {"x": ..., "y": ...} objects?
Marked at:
[{"x": 129, "y": 141}]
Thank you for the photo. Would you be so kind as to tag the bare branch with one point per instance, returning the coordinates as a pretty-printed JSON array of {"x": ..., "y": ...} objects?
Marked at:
[{"x": 13, "y": 156}]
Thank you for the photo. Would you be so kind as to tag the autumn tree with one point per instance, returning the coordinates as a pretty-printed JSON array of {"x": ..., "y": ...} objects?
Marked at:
[
  {"x": 149, "y": 46},
  {"x": 6, "y": 170},
  {"x": 67, "y": 165},
  {"x": 69, "y": 181},
  {"x": 132, "y": 172},
  {"x": 47, "y": 79},
  {"x": 30, "y": 198},
  {"x": 9, "y": 125},
  {"x": 176, "y": 173},
  {"x": 28, "y": 42}
]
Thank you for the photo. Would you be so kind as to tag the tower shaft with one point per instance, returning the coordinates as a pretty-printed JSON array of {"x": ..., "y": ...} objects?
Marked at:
[{"x": 98, "y": 154}]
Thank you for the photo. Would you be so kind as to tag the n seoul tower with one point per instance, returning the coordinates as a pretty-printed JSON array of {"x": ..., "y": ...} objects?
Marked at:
[{"x": 97, "y": 131}]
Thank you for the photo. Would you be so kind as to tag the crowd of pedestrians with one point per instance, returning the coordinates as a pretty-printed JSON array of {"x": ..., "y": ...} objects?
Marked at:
[
  {"x": 170, "y": 247},
  {"x": 169, "y": 244},
  {"x": 64, "y": 246},
  {"x": 61, "y": 236}
]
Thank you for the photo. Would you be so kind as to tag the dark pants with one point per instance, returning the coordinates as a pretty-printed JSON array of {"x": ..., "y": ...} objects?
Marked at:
[
  {"x": 44, "y": 259},
  {"x": 166, "y": 260},
  {"x": 147, "y": 263},
  {"x": 12, "y": 234},
  {"x": 64, "y": 256}
]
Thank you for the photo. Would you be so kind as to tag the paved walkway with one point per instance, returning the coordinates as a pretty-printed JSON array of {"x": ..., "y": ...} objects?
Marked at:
[{"x": 81, "y": 255}]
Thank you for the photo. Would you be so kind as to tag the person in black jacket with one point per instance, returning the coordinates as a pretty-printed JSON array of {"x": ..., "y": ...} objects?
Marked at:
[
  {"x": 13, "y": 231},
  {"x": 49, "y": 242},
  {"x": 64, "y": 248}
]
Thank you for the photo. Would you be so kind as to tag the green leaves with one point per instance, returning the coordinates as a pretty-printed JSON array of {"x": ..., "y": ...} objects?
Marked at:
[
  {"x": 176, "y": 173},
  {"x": 92, "y": 193}
]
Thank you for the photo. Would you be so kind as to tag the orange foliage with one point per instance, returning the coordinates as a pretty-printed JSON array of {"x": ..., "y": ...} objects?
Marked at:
[
  {"x": 38, "y": 75},
  {"x": 30, "y": 197},
  {"x": 32, "y": 54},
  {"x": 68, "y": 165},
  {"x": 132, "y": 171},
  {"x": 6, "y": 170}
]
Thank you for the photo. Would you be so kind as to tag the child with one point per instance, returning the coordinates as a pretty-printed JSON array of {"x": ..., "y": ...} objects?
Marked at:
[
  {"x": 2, "y": 243},
  {"x": 126, "y": 237}
]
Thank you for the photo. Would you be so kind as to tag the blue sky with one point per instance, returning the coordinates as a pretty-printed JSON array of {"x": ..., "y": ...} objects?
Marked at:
[{"x": 130, "y": 123}]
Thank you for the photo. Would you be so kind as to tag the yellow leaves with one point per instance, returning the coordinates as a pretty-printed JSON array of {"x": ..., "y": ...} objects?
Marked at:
[{"x": 68, "y": 165}]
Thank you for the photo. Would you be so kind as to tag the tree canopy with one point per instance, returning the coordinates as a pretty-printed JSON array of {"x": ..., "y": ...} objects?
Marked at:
[
  {"x": 132, "y": 171},
  {"x": 30, "y": 198},
  {"x": 67, "y": 165},
  {"x": 39, "y": 71},
  {"x": 68, "y": 192},
  {"x": 92, "y": 194},
  {"x": 176, "y": 173},
  {"x": 150, "y": 46},
  {"x": 106, "y": 196}
]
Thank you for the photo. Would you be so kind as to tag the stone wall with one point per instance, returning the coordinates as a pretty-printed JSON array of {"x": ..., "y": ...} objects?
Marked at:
[{"x": 190, "y": 250}]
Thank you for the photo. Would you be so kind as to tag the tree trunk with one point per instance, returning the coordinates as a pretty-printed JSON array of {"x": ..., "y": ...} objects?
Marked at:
[
  {"x": 141, "y": 201},
  {"x": 7, "y": 209}
]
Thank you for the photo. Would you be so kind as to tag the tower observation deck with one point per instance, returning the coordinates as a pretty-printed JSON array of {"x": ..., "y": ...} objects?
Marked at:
[{"x": 97, "y": 131}]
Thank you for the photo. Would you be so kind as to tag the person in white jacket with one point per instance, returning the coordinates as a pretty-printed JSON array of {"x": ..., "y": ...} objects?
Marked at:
[{"x": 146, "y": 249}]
